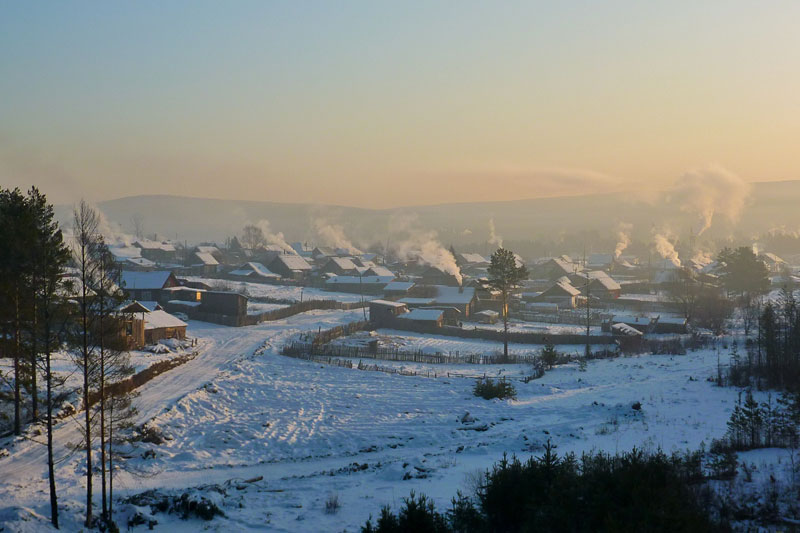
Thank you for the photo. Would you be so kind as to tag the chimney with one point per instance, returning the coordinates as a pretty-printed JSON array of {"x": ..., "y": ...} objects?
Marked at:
[{"x": 461, "y": 287}]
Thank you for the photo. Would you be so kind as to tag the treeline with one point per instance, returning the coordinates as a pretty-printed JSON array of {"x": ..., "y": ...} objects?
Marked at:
[
  {"x": 772, "y": 358},
  {"x": 60, "y": 295},
  {"x": 633, "y": 491}
]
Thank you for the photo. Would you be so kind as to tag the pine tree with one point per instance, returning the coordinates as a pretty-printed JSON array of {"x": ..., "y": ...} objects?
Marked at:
[
  {"x": 50, "y": 258},
  {"x": 549, "y": 354},
  {"x": 505, "y": 276},
  {"x": 754, "y": 420}
]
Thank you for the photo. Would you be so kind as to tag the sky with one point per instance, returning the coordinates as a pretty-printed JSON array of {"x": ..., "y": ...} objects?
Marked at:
[{"x": 383, "y": 104}]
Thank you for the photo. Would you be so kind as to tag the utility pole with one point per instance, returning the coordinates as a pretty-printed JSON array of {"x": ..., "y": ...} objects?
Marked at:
[{"x": 588, "y": 308}]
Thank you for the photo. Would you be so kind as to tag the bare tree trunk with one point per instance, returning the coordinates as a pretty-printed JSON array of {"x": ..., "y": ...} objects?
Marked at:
[
  {"x": 505, "y": 325},
  {"x": 17, "y": 370},
  {"x": 111, "y": 459},
  {"x": 50, "y": 465},
  {"x": 103, "y": 417},
  {"x": 34, "y": 369}
]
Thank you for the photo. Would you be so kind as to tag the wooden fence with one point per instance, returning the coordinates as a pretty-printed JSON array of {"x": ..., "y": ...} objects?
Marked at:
[
  {"x": 140, "y": 378},
  {"x": 301, "y": 307},
  {"x": 517, "y": 337}
]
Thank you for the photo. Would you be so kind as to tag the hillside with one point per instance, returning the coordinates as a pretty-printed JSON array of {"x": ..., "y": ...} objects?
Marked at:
[{"x": 771, "y": 204}]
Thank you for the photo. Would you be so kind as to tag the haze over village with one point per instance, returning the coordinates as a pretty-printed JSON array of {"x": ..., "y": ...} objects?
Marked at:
[{"x": 430, "y": 267}]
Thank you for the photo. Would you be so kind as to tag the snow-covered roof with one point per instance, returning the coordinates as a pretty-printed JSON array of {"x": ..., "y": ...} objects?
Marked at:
[
  {"x": 388, "y": 303},
  {"x": 417, "y": 301},
  {"x": 771, "y": 258},
  {"x": 380, "y": 271},
  {"x": 185, "y": 303},
  {"x": 624, "y": 329},
  {"x": 630, "y": 319},
  {"x": 422, "y": 314},
  {"x": 671, "y": 320},
  {"x": 206, "y": 258},
  {"x": 121, "y": 253},
  {"x": 566, "y": 287},
  {"x": 454, "y": 295},
  {"x": 252, "y": 267},
  {"x": 147, "y": 244},
  {"x": 207, "y": 249},
  {"x": 488, "y": 313},
  {"x": 343, "y": 262},
  {"x": 605, "y": 280},
  {"x": 144, "y": 280},
  {"x": 472, "y": 258},
  {"x": 140, "y": 261},
  {"x": 162, "y": 319},
  {"x": 293, "y": 262},
  {"x": 398, "y": 286},
  {"x": 355, "y": 280}
]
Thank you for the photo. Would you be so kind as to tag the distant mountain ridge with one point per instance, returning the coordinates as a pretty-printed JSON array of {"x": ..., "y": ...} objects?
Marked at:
[{"x": 770, "y": 205}]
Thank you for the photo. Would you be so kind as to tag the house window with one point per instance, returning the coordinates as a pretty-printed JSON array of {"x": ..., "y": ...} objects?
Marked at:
[
  {"x": 198, "y": 296},
  {"x": 146, "y": 295},
  {"x": 128, "y": 328}
]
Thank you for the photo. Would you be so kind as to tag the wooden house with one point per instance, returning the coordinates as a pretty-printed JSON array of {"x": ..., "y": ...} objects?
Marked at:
[
  {"x": 290, "y": 267},
  {"x": 146, "y": 285},
  {"x": 383, "y": 312},
  {"x": 436, "y": 276},
  {"x": 428, "y": 317}
]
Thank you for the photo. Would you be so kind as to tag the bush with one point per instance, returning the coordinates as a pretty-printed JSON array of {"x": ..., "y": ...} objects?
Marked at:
[
  {"x": 487, "y": 389},
  {"x": 332, "y": 504}
]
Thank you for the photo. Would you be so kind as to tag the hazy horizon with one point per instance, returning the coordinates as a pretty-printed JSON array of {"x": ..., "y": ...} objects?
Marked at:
[{"x": 378, "y": 105}]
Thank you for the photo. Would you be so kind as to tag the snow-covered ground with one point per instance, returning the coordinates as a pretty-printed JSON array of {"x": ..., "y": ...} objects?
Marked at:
[
  {"x": 280, "y": 292},
  {"x": 255, "y": 308},
  {"x": 240, "y": 411}
]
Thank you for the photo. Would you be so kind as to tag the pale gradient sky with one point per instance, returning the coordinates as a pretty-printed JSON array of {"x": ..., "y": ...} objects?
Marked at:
[{"x": 381, "y": 104}]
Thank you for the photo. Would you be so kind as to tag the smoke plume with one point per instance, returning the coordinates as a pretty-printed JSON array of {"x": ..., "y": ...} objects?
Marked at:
[
  {"x": 333, "y": 235},
  {"x": 665, "y": 248},
  {"x": 710, "y": 191},
  {"x": 273, "y": 237},
  {"x": 623, "y": 238},
  {"x": 494, "y": 238},
  {"x": 411, "y": 243}
]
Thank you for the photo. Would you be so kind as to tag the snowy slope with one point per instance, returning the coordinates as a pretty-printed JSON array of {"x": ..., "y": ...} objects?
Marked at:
[{"x": 240, "y": 411}]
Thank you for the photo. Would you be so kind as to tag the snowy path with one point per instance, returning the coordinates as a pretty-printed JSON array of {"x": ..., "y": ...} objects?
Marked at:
[{"x": 23, "y": 470}]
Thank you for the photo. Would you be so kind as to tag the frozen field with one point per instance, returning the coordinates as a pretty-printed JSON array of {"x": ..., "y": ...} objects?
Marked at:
[
  {"x": 536, "y": 327},
  {"x": 431, "y": 344},
  {"x": 281, "y": 292},
  {"x": 239, "y": 411}
]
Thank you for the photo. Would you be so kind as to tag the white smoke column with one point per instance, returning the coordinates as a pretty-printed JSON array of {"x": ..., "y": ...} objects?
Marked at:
[
  {"x": 272, "y": 237},
  {"x": 702, "y": 257},
  {"x": 425, "y": 247},
  {"x": 665, "y": 248},
  {"x": 110, "y": 232},
  {"x": 333, "y": 235},
  {"x": 494, "y": 238},
  {"x": 623, "y": 238},
  {"x": 710, "y": 191}
]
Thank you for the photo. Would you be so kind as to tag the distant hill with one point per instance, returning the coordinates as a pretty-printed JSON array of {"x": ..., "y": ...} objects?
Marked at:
[{"x": 771, "y": 204}]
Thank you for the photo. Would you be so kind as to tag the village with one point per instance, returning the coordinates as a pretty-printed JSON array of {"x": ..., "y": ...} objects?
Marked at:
[
  {"x": 399, "y": 267},
  {"x": 609, "y": 299},
  {"x": 196, "y": 319}
]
